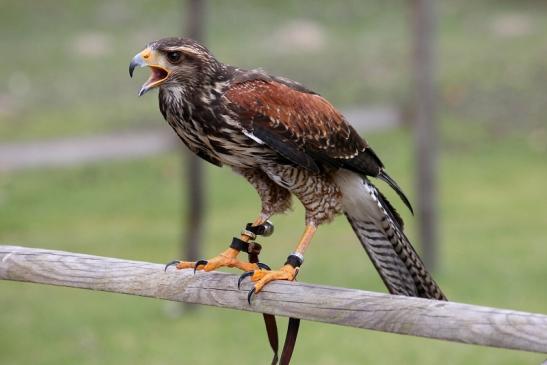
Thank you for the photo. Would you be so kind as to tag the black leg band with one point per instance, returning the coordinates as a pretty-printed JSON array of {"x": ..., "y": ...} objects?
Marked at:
[
  {"x": 248, "y": 247},
  {"x": 265, "y": 229},
  {"x": 251, "y": 248},
  {"x": 294, "y": 260}
]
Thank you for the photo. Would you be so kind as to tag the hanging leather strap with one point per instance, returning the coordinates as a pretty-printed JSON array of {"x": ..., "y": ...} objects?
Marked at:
[
  {"x": 295, "y": 260},
  {"x": 253, "y": 250},
  {"x": 290, "y": 338},
  {"x": 290, "y": 341},
  {"x": 271, "y": 330}
]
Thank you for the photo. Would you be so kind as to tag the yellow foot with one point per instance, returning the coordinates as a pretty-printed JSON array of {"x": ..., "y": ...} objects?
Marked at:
[
  {"x": 263, "y": 277},
  {"x": 216, "y": 262}
]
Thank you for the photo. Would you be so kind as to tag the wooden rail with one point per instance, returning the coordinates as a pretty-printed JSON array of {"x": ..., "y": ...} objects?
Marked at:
[{"x": 348, "y": 307}]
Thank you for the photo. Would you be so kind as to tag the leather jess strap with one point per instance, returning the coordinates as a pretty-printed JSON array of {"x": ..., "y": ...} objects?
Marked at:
[
  {"x": 253, "y": 250},
  {"x": 295, "y": 260},
  {"x": 292, "y": 328}
]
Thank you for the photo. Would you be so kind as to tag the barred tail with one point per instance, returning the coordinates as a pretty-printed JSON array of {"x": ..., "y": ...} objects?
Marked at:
[{"x": 379, "y": 229}]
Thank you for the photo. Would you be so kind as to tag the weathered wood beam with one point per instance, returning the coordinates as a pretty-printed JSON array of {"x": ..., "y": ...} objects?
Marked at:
[{"x": 348, "y": 307}]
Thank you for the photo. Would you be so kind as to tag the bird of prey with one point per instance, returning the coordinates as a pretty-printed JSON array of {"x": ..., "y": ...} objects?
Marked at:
[{"x": 285, "y": 140}]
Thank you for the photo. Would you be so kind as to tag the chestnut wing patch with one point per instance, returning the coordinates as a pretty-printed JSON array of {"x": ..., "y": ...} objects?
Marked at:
[{"x": 302, "y": 127}]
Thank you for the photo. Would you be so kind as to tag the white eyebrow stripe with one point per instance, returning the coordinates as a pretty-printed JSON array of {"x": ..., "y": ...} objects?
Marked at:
[{"x": 184, "y": 49}]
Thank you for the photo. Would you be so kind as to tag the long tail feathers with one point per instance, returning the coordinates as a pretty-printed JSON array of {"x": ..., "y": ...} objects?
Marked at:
[
  {"x": 386, "y": 178},
  {"x": 381, "y": 234}
]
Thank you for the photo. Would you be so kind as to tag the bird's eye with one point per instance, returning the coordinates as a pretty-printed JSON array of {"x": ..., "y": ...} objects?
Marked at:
[{"x": 174, "y": 57}]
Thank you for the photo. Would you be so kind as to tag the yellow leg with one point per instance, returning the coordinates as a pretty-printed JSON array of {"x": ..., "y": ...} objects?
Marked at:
[
  {"x": 227, "y": 258},
  {"x": 287, "y": 272}
]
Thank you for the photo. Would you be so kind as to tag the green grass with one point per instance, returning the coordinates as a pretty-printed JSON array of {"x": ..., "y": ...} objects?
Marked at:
[
  {"x": 49, "y": 87},
  {"x": 493, "y": 251}
]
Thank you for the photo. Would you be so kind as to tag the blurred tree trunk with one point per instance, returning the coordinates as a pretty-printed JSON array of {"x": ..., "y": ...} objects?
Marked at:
[
  {"x": 193, "y": 169},
  {"x": 425, "y": 125}
]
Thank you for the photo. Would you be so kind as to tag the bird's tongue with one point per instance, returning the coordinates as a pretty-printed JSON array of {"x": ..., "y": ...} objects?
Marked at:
[{"x": 157, "y": 74}]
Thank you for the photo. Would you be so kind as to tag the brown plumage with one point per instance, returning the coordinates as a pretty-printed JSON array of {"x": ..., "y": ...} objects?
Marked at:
[
  {"x": 285, "y": 140},
  {"x": 307, "y": 120}
]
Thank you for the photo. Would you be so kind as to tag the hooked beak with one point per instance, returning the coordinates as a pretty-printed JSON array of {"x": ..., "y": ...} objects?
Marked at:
[{"x": 158, "y": 74}]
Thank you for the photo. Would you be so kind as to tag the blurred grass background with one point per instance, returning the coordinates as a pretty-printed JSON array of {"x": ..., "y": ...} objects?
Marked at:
[{"x": 64, "y": 73}]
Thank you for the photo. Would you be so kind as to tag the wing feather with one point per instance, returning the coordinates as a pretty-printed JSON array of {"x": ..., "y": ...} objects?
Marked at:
[
  {"x": 301, "y": 126},
  {"x": 300, "y": 119}
]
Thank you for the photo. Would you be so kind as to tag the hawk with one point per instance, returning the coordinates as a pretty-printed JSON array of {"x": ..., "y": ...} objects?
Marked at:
[{"x": 285, "y": 140}]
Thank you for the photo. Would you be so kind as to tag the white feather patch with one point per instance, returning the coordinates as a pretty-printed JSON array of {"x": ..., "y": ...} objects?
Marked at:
[
  {"x": 253, "y": 137},
  {"x": 358, "y": 198}
]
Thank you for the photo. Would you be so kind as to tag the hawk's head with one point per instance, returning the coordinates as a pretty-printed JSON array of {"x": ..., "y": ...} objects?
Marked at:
[{"x": 174, "y": 62}]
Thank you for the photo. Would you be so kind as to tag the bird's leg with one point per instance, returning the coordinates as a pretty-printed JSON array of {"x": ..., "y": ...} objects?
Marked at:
[
  {"x": 227, "y": 258},
  {"x": 289, "y": 270}
]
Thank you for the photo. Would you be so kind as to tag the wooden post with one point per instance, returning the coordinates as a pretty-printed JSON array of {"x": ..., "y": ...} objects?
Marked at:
[
  {"x": 194, "y": 166},
  {"x": 470, "y": 324},
  {"x": 194, "y": 171},
  {"x": 425, "y": 127},
  {"x": 195, "y": 19}
]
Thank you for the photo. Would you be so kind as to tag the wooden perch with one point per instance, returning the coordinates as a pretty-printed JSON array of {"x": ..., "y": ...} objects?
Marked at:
[{"x": 348, "y": 307}]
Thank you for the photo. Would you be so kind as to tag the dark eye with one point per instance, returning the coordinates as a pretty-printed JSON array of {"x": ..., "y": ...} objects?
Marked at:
[{"x": 174, "y": 56}]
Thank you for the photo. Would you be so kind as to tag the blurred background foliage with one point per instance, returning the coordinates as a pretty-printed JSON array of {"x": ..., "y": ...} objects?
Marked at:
[{"x": 64, "y": 73}]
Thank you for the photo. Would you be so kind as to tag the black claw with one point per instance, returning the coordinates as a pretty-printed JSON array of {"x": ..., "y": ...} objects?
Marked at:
[
  {"x": 200, "y": 262},
  {"x": 263, "y": 266},
  {"x": 250, "y": 295},
  {"x": 174, "y": 262},
  {"x": 243, "y": 276}
]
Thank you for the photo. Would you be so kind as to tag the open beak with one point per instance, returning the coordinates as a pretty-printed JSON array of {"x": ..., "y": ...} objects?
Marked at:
[{"x": 158, "y": 74}]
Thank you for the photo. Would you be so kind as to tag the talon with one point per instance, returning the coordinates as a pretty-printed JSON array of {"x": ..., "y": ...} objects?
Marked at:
[
  {"x": 198, "y": 263},
  {"x": 174, "y": 262},
  {"x": 249, "y": 296},
  {"x": 263, "y": 266},
  {"x": 243, "y": 276}
]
